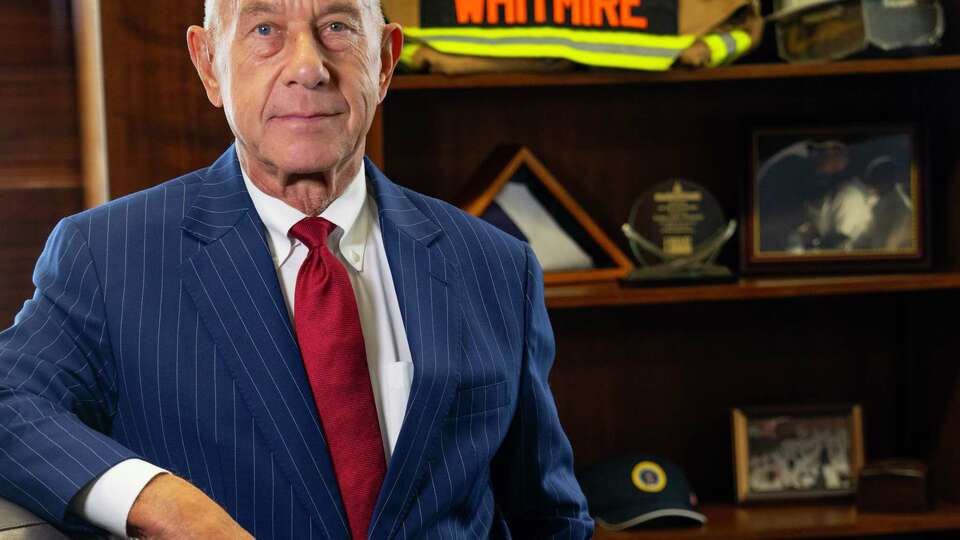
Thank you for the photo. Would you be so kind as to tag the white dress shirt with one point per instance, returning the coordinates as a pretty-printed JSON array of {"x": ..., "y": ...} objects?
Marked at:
[{"x": 358, "y": 244}]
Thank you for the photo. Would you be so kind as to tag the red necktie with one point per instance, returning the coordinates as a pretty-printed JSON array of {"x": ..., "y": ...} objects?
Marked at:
[{"x": 331, "y": 343}]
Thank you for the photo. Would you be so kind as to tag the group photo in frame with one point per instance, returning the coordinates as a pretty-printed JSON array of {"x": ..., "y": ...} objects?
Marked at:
[
  {"x": 836, "y": 199},
  {"x": 796, "y": 452}
]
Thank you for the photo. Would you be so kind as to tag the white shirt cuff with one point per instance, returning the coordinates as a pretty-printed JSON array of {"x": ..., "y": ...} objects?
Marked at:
[{"x": 106, "y": 501}]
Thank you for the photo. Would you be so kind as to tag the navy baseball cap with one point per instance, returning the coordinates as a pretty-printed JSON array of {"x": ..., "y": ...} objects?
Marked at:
[{"x": 635, "y": 489}]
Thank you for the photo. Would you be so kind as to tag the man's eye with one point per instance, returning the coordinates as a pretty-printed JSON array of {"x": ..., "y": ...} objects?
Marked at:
[
  {"x": 337, "y": 27},
  {"x": 264, "y": 29}
]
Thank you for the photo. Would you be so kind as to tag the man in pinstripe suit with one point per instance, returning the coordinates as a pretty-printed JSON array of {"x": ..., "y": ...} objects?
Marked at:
[{"x": 154, "y": 385}]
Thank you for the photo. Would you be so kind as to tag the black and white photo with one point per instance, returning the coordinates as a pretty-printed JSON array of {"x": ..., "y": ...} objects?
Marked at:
[
  {"x": 786, "y": 453},
  {"x": 831, "y": 198}
]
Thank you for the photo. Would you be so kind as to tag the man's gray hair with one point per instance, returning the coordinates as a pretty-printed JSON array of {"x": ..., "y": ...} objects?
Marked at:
[{"x": 211, "y": 16}]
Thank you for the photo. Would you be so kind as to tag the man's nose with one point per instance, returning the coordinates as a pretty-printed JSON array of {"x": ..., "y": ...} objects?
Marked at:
[{"x": 307, "y": 65}]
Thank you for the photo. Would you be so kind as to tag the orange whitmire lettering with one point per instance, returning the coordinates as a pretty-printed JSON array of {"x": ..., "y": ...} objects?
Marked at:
[
  {"x": 560, "y": 8},
  {"x": 585, "y": 7},
  {"x": 521, "y": 11},
  {"x": 608, "y": 8},
  {"x": 540, "y": 10},
  {"x": 493, "y": 11},
  {"x": 469, "y": 11},
  {"x": 627, "y": 18}
]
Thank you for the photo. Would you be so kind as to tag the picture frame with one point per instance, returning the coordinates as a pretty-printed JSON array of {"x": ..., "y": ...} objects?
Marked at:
[
  {"x": 517, "y": 166},
  {"x": 792, "y": 453},
  {"x": 840, "y": 199}
]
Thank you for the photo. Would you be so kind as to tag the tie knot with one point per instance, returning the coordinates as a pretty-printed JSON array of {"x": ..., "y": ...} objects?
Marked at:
[{"x": 312, "y": 231}]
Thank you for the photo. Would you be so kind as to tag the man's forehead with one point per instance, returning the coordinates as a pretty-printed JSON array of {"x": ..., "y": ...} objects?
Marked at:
[{"x": 253, "y": 7}]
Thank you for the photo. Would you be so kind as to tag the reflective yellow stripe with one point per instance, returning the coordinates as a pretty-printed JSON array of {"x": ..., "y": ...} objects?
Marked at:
[
  {"x": 718, "y": 49},
  {"x": 555, "y": 51},
  {"x": 406, "y": 54},
  {"x": 727, "y": 47},
  {"x": 595, "y": 48},
  {"x": 582, "y": 36},
  {"x": 743, "y": 41}
]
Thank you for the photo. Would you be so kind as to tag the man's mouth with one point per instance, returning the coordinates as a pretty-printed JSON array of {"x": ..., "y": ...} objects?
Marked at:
[
  {"x": 306, "y": 121},
  {"x": 306, "y": 116}
]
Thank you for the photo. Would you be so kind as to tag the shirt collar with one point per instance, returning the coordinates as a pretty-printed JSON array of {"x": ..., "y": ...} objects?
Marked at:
[{"x": 347, "y": 212}]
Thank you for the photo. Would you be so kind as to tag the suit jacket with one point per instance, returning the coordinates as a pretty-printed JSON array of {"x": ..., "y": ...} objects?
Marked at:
[{"x": 158, "y": 330}]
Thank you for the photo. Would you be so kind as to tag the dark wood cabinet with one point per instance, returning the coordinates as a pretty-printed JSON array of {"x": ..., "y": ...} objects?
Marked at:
[
  {"x": 656, "y": 370},
  {"x": 40, "y": 177}
]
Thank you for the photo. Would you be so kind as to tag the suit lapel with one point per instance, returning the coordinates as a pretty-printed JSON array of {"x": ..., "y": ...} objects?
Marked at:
[
  {"x": 234, "y": 285},
  {"x": 425, "y": 286}
]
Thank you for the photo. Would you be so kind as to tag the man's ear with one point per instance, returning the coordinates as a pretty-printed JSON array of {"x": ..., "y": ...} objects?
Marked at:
[
  {"x": 200, "y": 43},
  {"x": 389, "y": 55}
]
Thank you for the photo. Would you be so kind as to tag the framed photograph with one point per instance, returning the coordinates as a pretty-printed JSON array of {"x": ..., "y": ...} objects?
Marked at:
[
  {"x": 793, "y": 453},
  {"x": 514, "y": 191},
  {"x": 836, "y": 199}
]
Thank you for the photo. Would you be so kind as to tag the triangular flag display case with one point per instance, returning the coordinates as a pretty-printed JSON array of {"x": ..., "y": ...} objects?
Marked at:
[{"x": 564, "y": 233}]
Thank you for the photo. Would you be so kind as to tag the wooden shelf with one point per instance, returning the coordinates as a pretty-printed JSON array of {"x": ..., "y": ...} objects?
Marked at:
[
  {"x": 612, "y": 294},
  {"x": 727, "y": 522},
  {"x": 727, "y": 73}
]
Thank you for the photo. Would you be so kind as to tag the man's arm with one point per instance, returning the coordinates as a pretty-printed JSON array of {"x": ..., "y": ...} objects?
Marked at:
[
  {"x": 533, "y": 473},
  {"x": 106, "y": 501},
  {"x": 57, "y": 379},
  {"x": 58, "y": 394}
]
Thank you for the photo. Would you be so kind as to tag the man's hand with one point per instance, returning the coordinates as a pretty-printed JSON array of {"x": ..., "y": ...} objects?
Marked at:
[{"x": 170, "y": 507}]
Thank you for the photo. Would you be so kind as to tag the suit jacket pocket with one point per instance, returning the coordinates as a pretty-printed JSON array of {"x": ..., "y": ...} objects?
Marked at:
[{"x": 480, "y": 399}]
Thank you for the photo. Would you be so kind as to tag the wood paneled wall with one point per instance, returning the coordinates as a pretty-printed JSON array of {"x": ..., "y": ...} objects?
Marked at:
[
  {"x": 159, "y": 122},
  {"x": 39, "y": 143}
]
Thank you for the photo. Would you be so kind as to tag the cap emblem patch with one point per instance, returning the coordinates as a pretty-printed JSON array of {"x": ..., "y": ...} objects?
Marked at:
[{"x": 648, "y": 477}]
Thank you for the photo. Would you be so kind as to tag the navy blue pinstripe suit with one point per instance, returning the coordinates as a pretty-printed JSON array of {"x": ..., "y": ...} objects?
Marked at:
[{"x": 158, "y": 330}]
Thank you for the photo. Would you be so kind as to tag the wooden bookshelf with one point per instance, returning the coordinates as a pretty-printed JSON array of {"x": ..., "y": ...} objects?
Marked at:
[
  {"x": 728, "y": 522},
  {"x": 736, "y": 72},
  {"x": 614, "y": 294},
  {"x": 655, "y": 370}
]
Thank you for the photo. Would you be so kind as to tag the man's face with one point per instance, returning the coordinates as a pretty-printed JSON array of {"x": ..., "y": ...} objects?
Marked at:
[{"x": 300, "y": 80}]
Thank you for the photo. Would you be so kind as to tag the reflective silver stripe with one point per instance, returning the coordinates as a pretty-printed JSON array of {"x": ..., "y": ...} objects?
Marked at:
[
  {"x": 610, "y": 48},
  {"x": 730, "y": 43}
]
